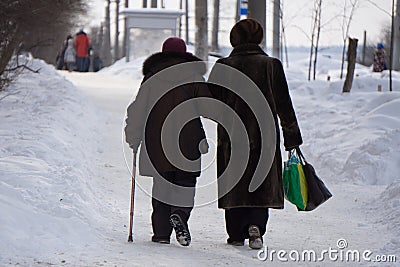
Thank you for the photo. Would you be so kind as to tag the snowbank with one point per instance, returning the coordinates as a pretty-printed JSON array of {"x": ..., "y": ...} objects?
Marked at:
[
  {"x": 47, "y": 137},
  {"x": 350, "y": 138},
  {"x": 126, "y": 70},
  {"x": 50, "y": 200}
]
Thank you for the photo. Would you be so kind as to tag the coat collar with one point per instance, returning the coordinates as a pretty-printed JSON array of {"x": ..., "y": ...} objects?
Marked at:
[
  {"x": 163, "y": 60},
  {"x": 247, "y": 49}
]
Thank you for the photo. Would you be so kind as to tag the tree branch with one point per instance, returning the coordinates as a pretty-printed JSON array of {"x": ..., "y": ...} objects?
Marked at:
[
  {"x": 24, "y": 67},
  {"x": 16, "y": 93}
]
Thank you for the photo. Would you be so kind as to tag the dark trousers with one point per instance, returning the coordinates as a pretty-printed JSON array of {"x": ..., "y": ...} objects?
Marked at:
[
  {"x": 238, "y": 220},
  {"x": 82, "y": 64},
  {"x": 168, "y": 199}
]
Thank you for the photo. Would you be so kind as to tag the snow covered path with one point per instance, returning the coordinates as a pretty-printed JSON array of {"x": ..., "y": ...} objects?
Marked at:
[
  {"x": 65, "y": 185},
  {"x": 348, "y": 215}
]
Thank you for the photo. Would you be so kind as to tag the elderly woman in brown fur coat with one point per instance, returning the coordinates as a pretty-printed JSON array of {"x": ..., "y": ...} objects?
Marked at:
[
  {"x": 173, "y": 188},
  {"x": 246, "y": 213}
]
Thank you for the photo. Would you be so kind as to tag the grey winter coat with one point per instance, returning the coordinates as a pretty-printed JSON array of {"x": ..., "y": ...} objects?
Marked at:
[{"x": 70, "y": 54}]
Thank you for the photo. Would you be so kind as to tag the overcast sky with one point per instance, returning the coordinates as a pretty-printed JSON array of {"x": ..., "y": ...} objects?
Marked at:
[{"x": 370, "y": 15}]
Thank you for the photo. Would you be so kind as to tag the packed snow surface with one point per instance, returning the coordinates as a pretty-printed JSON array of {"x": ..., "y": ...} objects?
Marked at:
[{"x": 65, "y": 172}]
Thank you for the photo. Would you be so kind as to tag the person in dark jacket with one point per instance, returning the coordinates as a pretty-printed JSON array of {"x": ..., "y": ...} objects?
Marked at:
[
  {"x": 246, "y": 212},
  {"x": 147, "y": 119}
]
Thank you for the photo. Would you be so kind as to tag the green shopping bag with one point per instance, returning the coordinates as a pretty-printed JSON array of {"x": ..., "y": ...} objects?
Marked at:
[{"x": 294, "y": 182}]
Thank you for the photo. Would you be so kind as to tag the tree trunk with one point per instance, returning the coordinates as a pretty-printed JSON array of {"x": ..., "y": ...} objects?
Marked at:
[
  {"x": 237, "y": 15},
  {"x": 180, "y": 20},
  {"x": 187, "y": 21},
  {"x": 101, "y": 40},
  {"x": 364, "y": 47},
  {"x": 215, "y": 29},
  {"x": 351, "y": 64},
  {"x": 317, "y": 38},
  {"x": 392, "y": 35},
  {"x": 312, "y": 44},
  {"x": 5, "y": 59},
  {"x": 107, "y": 37},
  {"x": 341, "y": 68},
  {"x": 8, "y": 50},
  {"x": 201, "y": 37},
  {"x": 116, "y": 36},
  {"x": 276, "y": 29},
  {"x": 257, "y": 11},
  {"x": 286, "y": 50},
  {"x": 396, "y": 38},
  {"x": 126, "y": 5}
]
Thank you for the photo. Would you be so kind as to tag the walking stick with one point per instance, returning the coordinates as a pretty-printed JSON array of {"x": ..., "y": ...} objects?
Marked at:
[{"x": 130, "y": 239}]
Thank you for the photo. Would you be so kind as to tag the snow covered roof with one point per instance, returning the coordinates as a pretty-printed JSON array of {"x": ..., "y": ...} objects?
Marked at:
[{"x": 152, "y": 18}]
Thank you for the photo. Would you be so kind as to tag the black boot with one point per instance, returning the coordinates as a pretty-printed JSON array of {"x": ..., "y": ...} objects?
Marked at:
[{"x": 181, "y": 229}]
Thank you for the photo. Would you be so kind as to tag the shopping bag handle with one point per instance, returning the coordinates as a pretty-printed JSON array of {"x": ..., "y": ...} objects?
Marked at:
[{"x": 300, "y": 154}]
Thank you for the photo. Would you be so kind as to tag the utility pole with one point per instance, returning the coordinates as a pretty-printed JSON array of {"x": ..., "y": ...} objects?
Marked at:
[
  {"x": 107, "y": 37},
  {"x": 257, "y": 11},
  {"x": 116, "y": 36},
  {"x": 276, "y": 36},
  {"x": 201, "y": 35},
  {"x": 396, "y": 38},
  {"x": 215, "y": 28}
]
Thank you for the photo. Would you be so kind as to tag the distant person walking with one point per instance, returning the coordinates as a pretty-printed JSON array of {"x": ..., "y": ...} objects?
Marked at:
[
  {"x": 70, "y": 56},
  {"x": 82, "y": 45},
  {"x": 379, "y": 59},
  {"x": 60, "y": 62},
  {"x": 246, "y": 213}
]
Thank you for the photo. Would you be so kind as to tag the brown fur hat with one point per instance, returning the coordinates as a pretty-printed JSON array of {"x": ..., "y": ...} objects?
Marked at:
[{"x": 246, "y": 31}]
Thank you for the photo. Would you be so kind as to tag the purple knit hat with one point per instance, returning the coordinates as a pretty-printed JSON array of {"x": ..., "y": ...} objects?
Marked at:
[{"x": 174, "y": 44}]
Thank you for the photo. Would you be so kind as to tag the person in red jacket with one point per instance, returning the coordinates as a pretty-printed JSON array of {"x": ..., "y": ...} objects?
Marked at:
[{"x": 82, "y": 44}]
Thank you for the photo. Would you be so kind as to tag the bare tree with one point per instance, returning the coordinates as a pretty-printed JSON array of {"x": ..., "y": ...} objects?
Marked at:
[
  {"x": 318, "y": 29},
  {"x": 314, "y": 26},
  {"x": 38, "y": 27},
  {"x": 201, "y": 42},
  {"x": 347, "y": 18},
  {"x": 283, "y": 36}
]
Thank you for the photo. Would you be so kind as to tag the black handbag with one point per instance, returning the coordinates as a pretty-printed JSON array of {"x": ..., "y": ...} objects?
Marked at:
[{"x": 318, "y": 193}]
